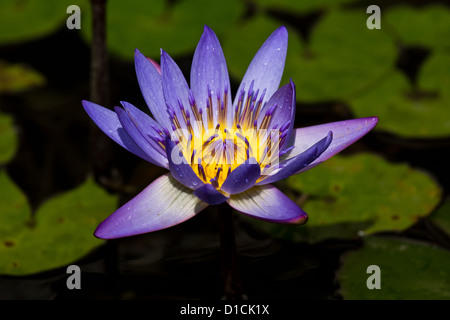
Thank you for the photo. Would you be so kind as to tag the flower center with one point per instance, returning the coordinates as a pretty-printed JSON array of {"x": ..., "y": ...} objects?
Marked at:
[{"x": 216, "y": 144}]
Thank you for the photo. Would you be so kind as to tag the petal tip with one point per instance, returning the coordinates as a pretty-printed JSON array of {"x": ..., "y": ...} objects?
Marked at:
[
  {"x": 209, "y": 34},
  {"x": 282, "y": 30},
  {"x": 86, "y": 103},
  {"x": 108, "y": 231},
  {"x": 302, "y": 219},
  {"x": 101, "y": 233},
  {"x": 371, "y": 121},
  {"x": 90, "y": 107},
  {"x": 206, "y": 28},
  {"x": 292, "y": 83}
]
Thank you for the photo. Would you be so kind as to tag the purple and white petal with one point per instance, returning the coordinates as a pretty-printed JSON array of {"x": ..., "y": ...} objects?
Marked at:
[
  {"x": 269, "y": 204},
  {"x": 108, "y": 121},
  {"x": 209, "y": 76},
  {"x": 242, "y": 178},
  {"x": 207, "y": 193},
  {"x": 153, "y": 155},
  {"x": 344, "y": 134},
  {"x": 164, "y": 203},
  {"x": 150, "y": 82},
  {"x": 292, "y": 165},
  {"x": 179, "y": 166},
  {"x": 266, "y": 68}
]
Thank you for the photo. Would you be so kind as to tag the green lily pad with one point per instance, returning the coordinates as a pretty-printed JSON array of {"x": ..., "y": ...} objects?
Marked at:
[
  {"x": 18, "y": 77},
  {"x": 434, "y": 77},
  {"x": 15, "y": 212},
  {"x": 22, "y": 20},
  {"x": 441, "y": 217},
  {"x": 151, "y": 25},
  {"x": 420, "y": 112},
  {"x": 409, "y": 270},
  {"x": 60, "y": 232},
  {"x": 8, "y": 138},
  {"x": 342, "y": 59},
  {"x": 301, "y": 6},
  {"x": 427, "y": 26},
  {"x": 359, "y": 194}
]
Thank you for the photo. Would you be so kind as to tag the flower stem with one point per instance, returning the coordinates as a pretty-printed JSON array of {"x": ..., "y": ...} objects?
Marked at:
[
  {"x": 231, "y": 277},
  {"x": 99, "y": 87}
]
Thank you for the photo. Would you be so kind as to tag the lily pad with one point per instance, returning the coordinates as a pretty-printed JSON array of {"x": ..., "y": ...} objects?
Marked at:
[
  {"x": 60, "y": 232},
  {"x": 23, "y": 20},
  {"x": 301, "y": 6},
  {"x": 342, "y": 58},
  {"x": 420, "y": 112},
  {"x": 175, "y": 26},
  {"x": 428, "y": 26},
  {"x": 18, "y": 77},
  {"x": 348, "y": 196},
  {"x": 8, "y": 138},
  {"x": 441, "y": 217},
  {"x": 409, "y": 270}
]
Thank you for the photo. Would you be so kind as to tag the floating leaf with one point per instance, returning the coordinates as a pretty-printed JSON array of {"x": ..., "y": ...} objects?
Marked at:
[
  {"x": 174, "y": 26},
  {"x": 18, "y": 77},
  {"x": 22, "y": 20},
  {"x": 441, "y": 217},
  {"x": 365, "y": 187},
  {"x": 347, "y": 196},
  {"x": 435, "y": 76},
  {"x": 60, "y": 232},
  {"x": 414, "y": 113},
  {"x": 343, "y": 57},
  {"x": 8, "y": 138},
  {"x": 15, "y": 213},
  {"x": 409, "y": 270},
  {"x": 428, "y": 26},
  {"x": 301, "y": 6}
]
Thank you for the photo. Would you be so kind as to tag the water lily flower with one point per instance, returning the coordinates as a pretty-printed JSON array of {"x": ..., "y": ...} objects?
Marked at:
[{"x": 217, "y": 149}]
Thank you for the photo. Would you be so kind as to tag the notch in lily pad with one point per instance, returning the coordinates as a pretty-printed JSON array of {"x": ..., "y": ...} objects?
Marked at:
[{"x": 59, "y": 233}]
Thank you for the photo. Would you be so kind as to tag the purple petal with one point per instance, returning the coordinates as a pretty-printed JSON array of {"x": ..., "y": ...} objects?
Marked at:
[
  {"x": 175, "y": 87},
  {"x": 150, "y": 130},
  {"x": 209, "y": 70},
  {"x": 284, "y": 112},
  {"x": 179, "y": 166},
  {"x": 164, "y": 203},
  {"x": 266, "y": 68},
  {"x": 151, "y": 87},
  {"x": 209, "y": 194},
  {"x": 152, "y": 154},
  {"x": 344, "y": 134},
  {"x": 269, "y": 204},
  {"x": 300, "y": 161},
  {"x": 108, "y": 121},
  {"x": 242, "y": 178}
]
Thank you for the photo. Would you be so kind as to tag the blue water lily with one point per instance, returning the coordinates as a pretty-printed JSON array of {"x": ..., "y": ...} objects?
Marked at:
[{"x": 217, "y": 149}]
